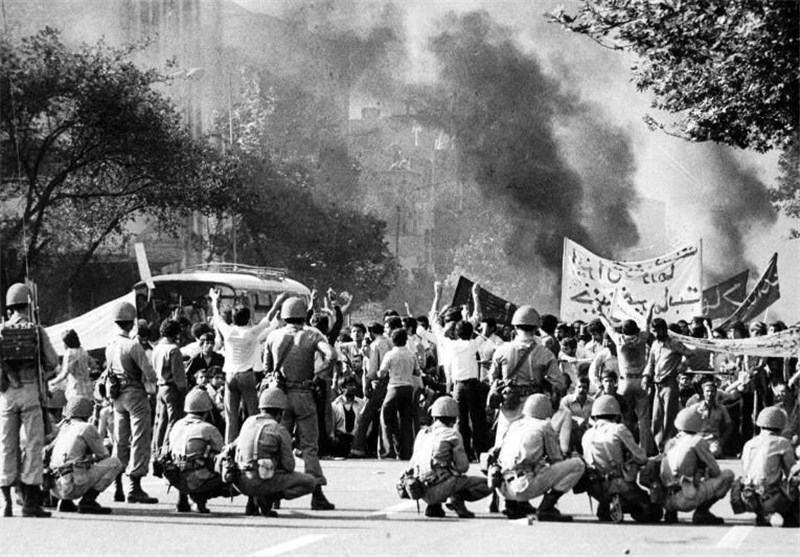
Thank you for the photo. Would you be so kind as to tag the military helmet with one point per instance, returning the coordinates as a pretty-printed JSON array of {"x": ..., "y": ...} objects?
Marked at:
[
  {"x": 526, "y": 315},
  {"x": 444, "y": 407},
  {"x": 688, "y": 420},
  {"x": 273, "y": 398},
  {"x": 198, "y": 401},
  {"x": 538, "y": 406},
  {"x": 771, "y": 418},
  {"x": 17, "y": 294},
  {"x": 78, "y": 407},
  {"x": 294, "y": 308},
  {"x": 123, "y": 311},
  {"x": 605, "y": 405}
]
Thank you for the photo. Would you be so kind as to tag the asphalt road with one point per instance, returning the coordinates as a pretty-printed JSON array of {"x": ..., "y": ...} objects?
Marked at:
[{"x": 370, "y": 520}]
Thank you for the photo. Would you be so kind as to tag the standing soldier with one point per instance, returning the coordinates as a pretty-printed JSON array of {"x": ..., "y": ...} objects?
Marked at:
[
  {"x": 129, "y": 367},
  {"x": 612, "y": 462},
  {"x": 264, "y": 456},
  {"x": 531, "y": 463},
  {"x": 440, "y": 462},
  {"x": 767, "y": 462},
  {"x": 193, "y": 443},
  {"x": 26, "y": 355},
  {"x": 81, "y": 462},
  {"x": 289, "y": 355},
  {"x": 691, "y": 474},
  {"x": 523, "y": 367}
]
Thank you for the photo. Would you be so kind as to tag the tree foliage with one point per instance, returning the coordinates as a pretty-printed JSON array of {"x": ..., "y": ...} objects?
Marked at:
[
  {"x": 728, "y": 68},
  {"x": 89, "y": 144}
]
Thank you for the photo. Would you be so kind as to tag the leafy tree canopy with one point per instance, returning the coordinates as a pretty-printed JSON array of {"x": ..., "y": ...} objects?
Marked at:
[
  {"x": 89, "y": 144},
  {"x": 728, "y": 68}
]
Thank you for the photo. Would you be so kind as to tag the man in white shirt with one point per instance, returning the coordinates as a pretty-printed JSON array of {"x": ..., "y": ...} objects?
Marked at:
[{"x": 242, "y": 349}]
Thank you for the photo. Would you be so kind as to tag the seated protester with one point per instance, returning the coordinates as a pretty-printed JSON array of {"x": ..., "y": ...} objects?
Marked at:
[
  {"x": 216, "y": 418},
  {"x": 786, "y": 401},
  {"x": 567, "y": 362},
  {"x": 604, "y": 360},
  {"x": 609, "y": 384},
  {"x": 217, "y": 382},
  {"x": 205, "y": 358},
  {"x": 690, "y": 473},
  {"x": 265, "y": 459},
  {"x": 716, "y": 422},
  {"x": 81, "y": 462},
  {"x": 440, "y": 461},
  {"x": 561, "y": 421},
  {"x": 767, "y": 461},
  {"x": 193, "y": 443},
  {"x": 686, "y": 388},
  {"x": 612, "y": 462},
  {"x": 579, "y": 404},
  {"x": 347, "y": 409},
  {"x": 531, "y": 463}
]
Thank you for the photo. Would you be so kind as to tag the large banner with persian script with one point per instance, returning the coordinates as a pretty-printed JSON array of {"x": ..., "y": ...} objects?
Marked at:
[{"x": 624, "y": 289}]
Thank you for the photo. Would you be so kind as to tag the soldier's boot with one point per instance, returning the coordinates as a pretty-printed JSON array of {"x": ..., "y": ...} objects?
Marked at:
[
  {"x": 670, "y": 517},
  {"x": 458, "y": 507},
  {"x": 89, "y": 505},
  {"x": 526, "y": 507},
  {"x": 265, "y": 505},
  {"x": 138, "y": 495},
  {"x": 8, "y": 505},
  {"x": 603, "y": 511},
  {"x": 200, "y": 503},
  {"x": 251, "y": 509},
  {"x": 434, "y": 510},
  {"x": 48, "y": 500},
  {"x": 494, "y": 503},
  {"x": 703, "y": 515},
  {"x": 547, "y": 510},
  {"x": 183, "y": 505},
  {"x": 67, "y": 506},
  {"x": 31, "y": 506},
  {"x": 319, "y": 502},
  {"x": 119, "y": 493},
  {"x": 514, "y": 510}
]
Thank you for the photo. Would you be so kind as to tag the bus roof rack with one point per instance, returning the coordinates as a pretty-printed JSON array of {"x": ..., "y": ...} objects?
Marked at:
[{"x": 269, "y": 273}]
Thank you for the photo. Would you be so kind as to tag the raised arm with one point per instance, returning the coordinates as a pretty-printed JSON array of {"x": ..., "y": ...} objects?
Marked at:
[{"x": 477, "y": 312}]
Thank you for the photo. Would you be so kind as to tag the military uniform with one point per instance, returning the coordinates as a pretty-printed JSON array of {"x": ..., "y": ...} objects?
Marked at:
[
  {"x": 538, "y": 373},
  {"x": 691, "y": 474},
  {"x": 440, "y": 461},
  {"x": 81, "y": 462},
  {"x": 767, "y": 461},
  {"x": 133, "y": 430},
  {"x": 193, "y": 443},
  {"x": 263, "y": 438},
  {"x": 612, "y": 460},
  {"x": 531, "y": 461}
]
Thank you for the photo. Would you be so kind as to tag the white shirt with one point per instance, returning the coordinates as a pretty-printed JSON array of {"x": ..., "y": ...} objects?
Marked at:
[{"x": 242, "y": 348}]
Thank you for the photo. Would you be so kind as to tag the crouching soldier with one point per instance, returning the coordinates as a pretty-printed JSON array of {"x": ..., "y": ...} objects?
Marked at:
[
  {"x": 80, "y": 462},
  {"x": 265, "y": 459},
  {"x": 532, "y": 464},
  {"x": 612, "y": 461},
  {"x": 440, "y": 462},
  {"x": 690, "y": 473},
  {"x": 193, "y": 444},
  {"x": 767, "y": 462}
]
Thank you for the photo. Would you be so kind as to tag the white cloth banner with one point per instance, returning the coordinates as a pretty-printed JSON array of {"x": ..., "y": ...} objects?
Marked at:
[
  {"x": 95, "y": 328},
  {"x": 624, "y": 289},
  {"x": 785, "y": 344}
]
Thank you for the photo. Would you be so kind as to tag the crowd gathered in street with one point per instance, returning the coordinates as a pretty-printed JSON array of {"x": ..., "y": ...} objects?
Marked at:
[{"x": 626, "y": 412}]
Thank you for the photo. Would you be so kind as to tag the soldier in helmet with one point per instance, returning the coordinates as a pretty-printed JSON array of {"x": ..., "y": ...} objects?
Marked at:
[
  {"x": 20, "y": 403},
  {"x": 523, "y": 367},
  {"x": 767, "y": 462},
  {"x": 289, "y": 356},
  {"x": 690, "y": 473},
  {"x": 80, "y": 461},
  {"x": 612, "y": 461},
  {"x": 130, "y": 367},
  {"x": 532, "y": 464},
  {"x": 193, "y": 443},
  {"x": 440, "y": 462},
  {"x": 265, "y": 459}
]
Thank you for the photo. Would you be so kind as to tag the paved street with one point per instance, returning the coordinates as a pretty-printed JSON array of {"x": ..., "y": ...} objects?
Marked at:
[{"x": 371, "y": 520}]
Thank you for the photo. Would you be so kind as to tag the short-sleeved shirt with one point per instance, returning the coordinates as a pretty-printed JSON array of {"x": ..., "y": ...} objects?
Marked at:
[
  {"x": 126, "y": 356},
  {"x": 666, "y": 357},
  {"x": 75, "y": 440},
  {"x": 263, "y": 437},
  {"x": 527, "y": 443},
  {"x": 168, "y": 364},
  {"x": 714, "y": 419},
  {"x": 190, "y": 436},
  {"x": 296, "y": 347},
  {"x": 439, "y": 446},
  {"x": 242, "y": 346},
  {"x": 608, "y": 445},
  {"x": 399, "y": 364},
  {"x": 686, "y": 455},
  {"x": 539, "y": 366},
  {"x": 766, "y": 460}
]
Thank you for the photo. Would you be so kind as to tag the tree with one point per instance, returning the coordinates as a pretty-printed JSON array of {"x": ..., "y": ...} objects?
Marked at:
[
  {"x": 88, "y": 145},
  {"x": 730, "y": 69}
]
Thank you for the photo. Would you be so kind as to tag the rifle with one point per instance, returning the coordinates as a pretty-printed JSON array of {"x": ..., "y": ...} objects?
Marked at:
[{"x": 41, "y": 381}]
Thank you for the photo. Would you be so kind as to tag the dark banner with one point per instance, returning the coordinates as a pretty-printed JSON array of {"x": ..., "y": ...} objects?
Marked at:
[
  {"x": 491, "y": 305},
  {"x": 721, "y": 300},
  {"x": 765, "y": 293}
]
